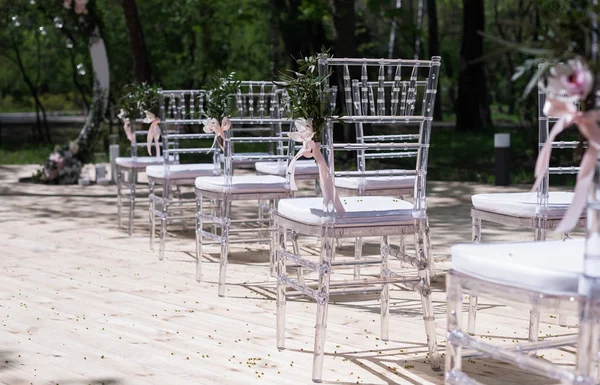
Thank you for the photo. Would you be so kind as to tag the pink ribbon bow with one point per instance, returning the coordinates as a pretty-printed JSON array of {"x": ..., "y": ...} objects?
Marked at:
[
  {"x": 212, "y": 126},
  {"x": 126, "y": 126},
  {"x": 153, "y": 132},
  {"x": 312, "y": 149},
  {"x": 587, "y": 122}
]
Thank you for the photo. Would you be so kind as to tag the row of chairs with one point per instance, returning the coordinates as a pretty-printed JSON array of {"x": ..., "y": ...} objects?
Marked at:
[
  {"x": 554, "y": 276},
  {"x": 391, "y": 118},
  {"x": 382, "y": 112}
]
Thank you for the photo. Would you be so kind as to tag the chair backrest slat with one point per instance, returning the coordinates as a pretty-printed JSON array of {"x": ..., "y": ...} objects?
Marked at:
[{"x": 391, "y": 107}]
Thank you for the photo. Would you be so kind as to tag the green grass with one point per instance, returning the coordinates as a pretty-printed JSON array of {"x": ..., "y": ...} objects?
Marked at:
[
  {"x": 25, "y": 154},
  {"x": 453, "y": 156}
]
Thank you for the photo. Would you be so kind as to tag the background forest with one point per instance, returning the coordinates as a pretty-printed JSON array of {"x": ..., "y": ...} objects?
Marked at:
[{"x": 180, "y": 44}]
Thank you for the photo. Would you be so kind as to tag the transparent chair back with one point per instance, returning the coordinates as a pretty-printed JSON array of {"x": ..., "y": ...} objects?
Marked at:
[
  {"x": 545, "y": 125},
  {"x": 403, "y": 102},
  {"x": 260, "y": 123},
  {"x": 182, "y": 120}
]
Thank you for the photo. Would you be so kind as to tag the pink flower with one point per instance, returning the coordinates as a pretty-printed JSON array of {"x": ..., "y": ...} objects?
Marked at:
[
  {"x": 58, "y": 159},
  {"x": 304, "y": 131},
  {"x": 212, "y": 126},
  {"x": 571, "y": 80}
]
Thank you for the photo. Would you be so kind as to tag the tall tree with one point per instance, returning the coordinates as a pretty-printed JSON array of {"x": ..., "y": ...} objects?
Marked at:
[
  {"x": 344, "y": 22},
  {"x": 472, "y": 107},
  {"x": 141, "y": 63},
  {"x": 434, "y": 49},
  {"x": 301, "y": 35}
]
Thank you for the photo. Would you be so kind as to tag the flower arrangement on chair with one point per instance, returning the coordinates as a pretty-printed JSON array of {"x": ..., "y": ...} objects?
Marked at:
[
  {"x": 566, "y": 85},
  {"x": 218, "y": 105},
  {"x": 311, "y": 107},
  {"x": 137, "y": 98}
]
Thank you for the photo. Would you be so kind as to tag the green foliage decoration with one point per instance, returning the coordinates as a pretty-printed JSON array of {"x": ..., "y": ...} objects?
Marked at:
[
  {"x": 309, "y": 96},
  {"x": 220, "y": 91}
]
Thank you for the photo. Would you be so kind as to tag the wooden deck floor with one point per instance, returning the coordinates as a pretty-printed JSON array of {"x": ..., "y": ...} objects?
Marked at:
[{"x": 83, "y": 303}]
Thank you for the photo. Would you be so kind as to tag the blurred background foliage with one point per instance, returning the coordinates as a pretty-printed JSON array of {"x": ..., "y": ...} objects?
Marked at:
[{"x": 180, "y": 44}]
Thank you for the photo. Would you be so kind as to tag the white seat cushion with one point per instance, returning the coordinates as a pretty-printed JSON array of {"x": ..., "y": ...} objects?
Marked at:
[
  {"x": 546, "y": 266},
  {"x": 138, "y": 162},
  {"x": 522, "y": 204},
  {"x": 377, "y": 183},
  {"x": 303, "y": 167},
  {"x": 359, "y": 210},
  {"x": 182, "y": 171},
  {"x": 244, "y": 184}
]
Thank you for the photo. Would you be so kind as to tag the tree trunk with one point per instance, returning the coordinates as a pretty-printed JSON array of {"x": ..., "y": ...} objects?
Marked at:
[
  {"x": 344, "y": 21},
  {"x": 434, "y": 49},
  {"x": 141, "y": 63},
  {"x": 34, "y": 92},
  {"x": 473, "y": 110},
  {"x": 300, "y": 37}
]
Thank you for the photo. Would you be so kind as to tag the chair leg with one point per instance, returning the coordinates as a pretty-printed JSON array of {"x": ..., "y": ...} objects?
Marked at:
[
  {"x": 425, "y": 293},
  {"x": 273, "y": 239},
  {"x": 296, "y": 250},
  {"x": 163, "y": 219},
  {"x": 281, "y": 299},
  {"x": 472, "y": 314},
  {"x": 385, "y": 294},
  {"x": 327, "y": 254},
  {"x": 133, "y": 177},
  {"x": 225, "y": 217},
  {"x": 540, "y": 232},
  {"x": 151, "y": 208},
  {"x": 429, "y": 253},
  {"x": 562, "y": 320},
  {"x": 476, "y": 238},
  {"x": 534, "y": 327},
  {"x": 119, "y": 196},
  {"x": 587, "y": 342},
  {"x": 476, "y": 230},
  {"x": 199, "y": 228},
  {"x": 320, "y": 334},
  {"x": 454, "y": 320},
  {"x": 358, "y": 245},
  {"x": 534, "y": 324}
]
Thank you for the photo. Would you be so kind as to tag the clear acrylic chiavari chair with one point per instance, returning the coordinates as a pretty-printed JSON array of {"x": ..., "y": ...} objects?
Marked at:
[
  {"x": 402, "y": 104},
  {"x": 540, "y": 211},
  {"x": 552, "y": 275},
  {"x": 260, "y": 120},
  {"x": 401, "y": 186},
  {"x": 179, "y": 109},
  {"x": 128, "y": 168}
]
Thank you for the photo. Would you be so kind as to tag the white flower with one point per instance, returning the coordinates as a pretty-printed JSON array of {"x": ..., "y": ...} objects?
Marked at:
[
  {"x": 212, "y": 126},
  {"x": 304, "y": 131},
  {"x": 571, "y": 80},
  {"x": 122, "y": 115},
  {"x": 150, "y": 117}
]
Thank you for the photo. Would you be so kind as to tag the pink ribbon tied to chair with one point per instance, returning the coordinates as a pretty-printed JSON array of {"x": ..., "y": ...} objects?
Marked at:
[
  {"x": 575, "y": 81},
  {"x": 312, "y": 149},
  {"x": 153, "y": 132},
  {"x": 126, "y": 126},
  {"x": 212, "y": 126}
]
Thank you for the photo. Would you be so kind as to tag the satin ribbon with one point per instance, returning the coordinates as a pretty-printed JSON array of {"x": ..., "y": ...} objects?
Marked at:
[
  {"x": 126, "y": 126},
  {"x": 153, "y": 132},
  {"x": 312, "y": 149},
  {"x": 587, "y": 122},
  {"x": 212, "y": 126}
]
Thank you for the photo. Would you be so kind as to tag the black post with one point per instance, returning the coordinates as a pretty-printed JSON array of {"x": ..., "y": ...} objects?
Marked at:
[{"x": 502, "y": 147}]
